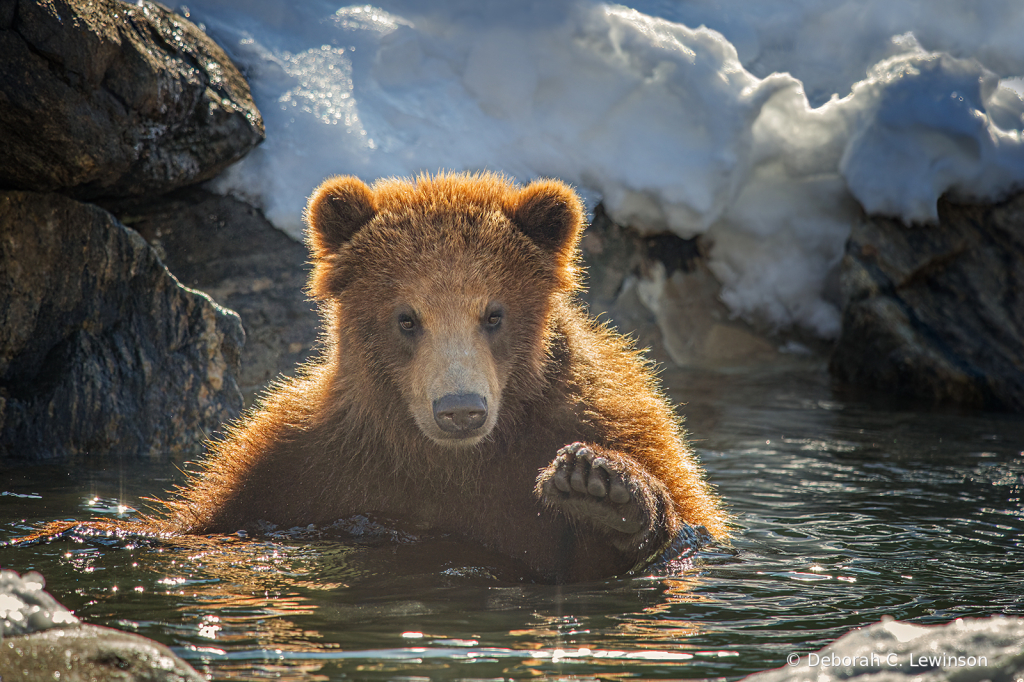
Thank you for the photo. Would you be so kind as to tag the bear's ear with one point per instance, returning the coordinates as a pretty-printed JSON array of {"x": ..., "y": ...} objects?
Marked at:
[
  {"x": 551, "y": 214},
  {"x": 336, "y": 211}
]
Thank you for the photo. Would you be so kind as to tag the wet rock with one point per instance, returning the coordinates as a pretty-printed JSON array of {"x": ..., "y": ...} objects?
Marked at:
[
  {"x": 659, "y": 290},
  {"x": 937, "y": 311},
  {"x": 87, "y": 653},
  {"x": 892, "y": 651},
  {"x": 101, "y": 349},
  {"x": 109, "y": 98},
  {"x": 25, "y": 607},
  {"x": 227, "y": 249},
  {"x": 42, "y": 640}
]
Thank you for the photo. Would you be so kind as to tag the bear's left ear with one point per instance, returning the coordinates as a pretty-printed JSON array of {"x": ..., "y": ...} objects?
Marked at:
[
  {"x": 551, "y": 214},
  {"x": 335, "y": 212}
]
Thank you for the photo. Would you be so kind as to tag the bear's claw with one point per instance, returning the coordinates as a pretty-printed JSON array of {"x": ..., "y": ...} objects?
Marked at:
[
  {"x": 585, "y": 484},
  {"x": 580, "y": 469}
]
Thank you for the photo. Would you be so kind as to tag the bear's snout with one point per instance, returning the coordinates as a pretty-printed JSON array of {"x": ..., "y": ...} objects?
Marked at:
[{"x": 460, "y": 413}]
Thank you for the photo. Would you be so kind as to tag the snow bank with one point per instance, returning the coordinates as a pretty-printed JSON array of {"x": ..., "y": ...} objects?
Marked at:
[{"x": 695, "y": 130}]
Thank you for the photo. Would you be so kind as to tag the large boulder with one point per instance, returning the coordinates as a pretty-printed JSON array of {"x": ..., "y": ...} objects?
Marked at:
[
  {"x": 228, "y": 249},
  {"x": 101, "y": 349},
  {"x": 937, "y": 311},
  {"x": 109, "y": 98}
]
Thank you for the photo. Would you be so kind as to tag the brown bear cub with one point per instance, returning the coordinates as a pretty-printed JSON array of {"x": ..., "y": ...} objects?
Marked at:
[{"x": 461, "y": 390}]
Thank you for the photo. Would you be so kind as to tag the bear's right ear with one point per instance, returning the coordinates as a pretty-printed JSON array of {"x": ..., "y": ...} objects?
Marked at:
[{"x": 336, "y": 211}]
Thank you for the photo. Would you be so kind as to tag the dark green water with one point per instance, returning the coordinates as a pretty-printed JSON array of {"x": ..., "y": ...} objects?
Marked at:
[{"x": 848, "y": 509}]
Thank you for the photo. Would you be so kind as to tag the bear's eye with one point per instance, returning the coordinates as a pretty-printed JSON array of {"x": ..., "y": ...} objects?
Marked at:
[
  {"x": 492, "y": 319},
  {"x": 406, "y": 322}
]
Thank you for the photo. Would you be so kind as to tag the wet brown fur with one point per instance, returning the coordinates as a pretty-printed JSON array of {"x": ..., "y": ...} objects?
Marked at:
[{"x": 341, "y": 438}]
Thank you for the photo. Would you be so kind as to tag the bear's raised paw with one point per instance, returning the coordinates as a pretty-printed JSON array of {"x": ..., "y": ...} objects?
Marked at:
[{"x": 590, "y": 486}]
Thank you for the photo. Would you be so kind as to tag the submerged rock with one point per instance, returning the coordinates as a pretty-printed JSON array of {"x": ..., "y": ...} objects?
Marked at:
[
  {"x": 937, "y": 311},
  {"x": 227, "y": 249},
  {"x": 42, "y": 640},
  {"x": 101, "y": 349},
  {"x": 893, "y": 651},
  {"x": 109, "y": 98}
]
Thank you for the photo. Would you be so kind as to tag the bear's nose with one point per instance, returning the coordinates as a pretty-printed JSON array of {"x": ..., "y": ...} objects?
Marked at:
[{"x": 460, "y": 412}]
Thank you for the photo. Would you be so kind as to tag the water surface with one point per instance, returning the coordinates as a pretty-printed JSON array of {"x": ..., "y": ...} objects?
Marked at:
[{"x": 847, "y": 508}]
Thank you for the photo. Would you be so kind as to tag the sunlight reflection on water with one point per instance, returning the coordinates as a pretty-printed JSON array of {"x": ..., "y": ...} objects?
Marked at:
[{"x": 846, "y": 509}]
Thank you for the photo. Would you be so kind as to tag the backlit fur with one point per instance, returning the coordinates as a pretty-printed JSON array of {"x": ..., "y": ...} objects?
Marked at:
[{"x": 353, "y": 433}]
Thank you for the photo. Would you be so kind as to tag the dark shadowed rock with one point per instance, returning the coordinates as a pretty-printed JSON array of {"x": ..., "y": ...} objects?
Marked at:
[
  {"x": 227, "y": 249},
  {"x": 101, "y": 349},
  {"x": 109, "y": 98},
  {"x": 937, "y": 311}
]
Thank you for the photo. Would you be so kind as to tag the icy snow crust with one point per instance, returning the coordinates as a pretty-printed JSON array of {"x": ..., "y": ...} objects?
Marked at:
[{"x": 767, "y": 132}]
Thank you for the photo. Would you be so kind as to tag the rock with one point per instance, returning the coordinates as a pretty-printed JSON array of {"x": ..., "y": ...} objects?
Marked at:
[
  {"x": 227, "y": 249},
  {"x": 659, "y": 290},
  {"x": 694, "y": 323},
  {"x": 101, "y": 349},
  {"x": 892, "y": 651},
  {"x": 42, "y": 640},
  {"x": 88, "y": 653},
  {"x": 937, "y": 311},
  {"x": 109, "y": 98},
  {"x": 25, "y": 607}
]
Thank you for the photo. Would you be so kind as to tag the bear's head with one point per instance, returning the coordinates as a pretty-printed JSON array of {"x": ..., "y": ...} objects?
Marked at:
[{"x": 441, "y": 290}]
